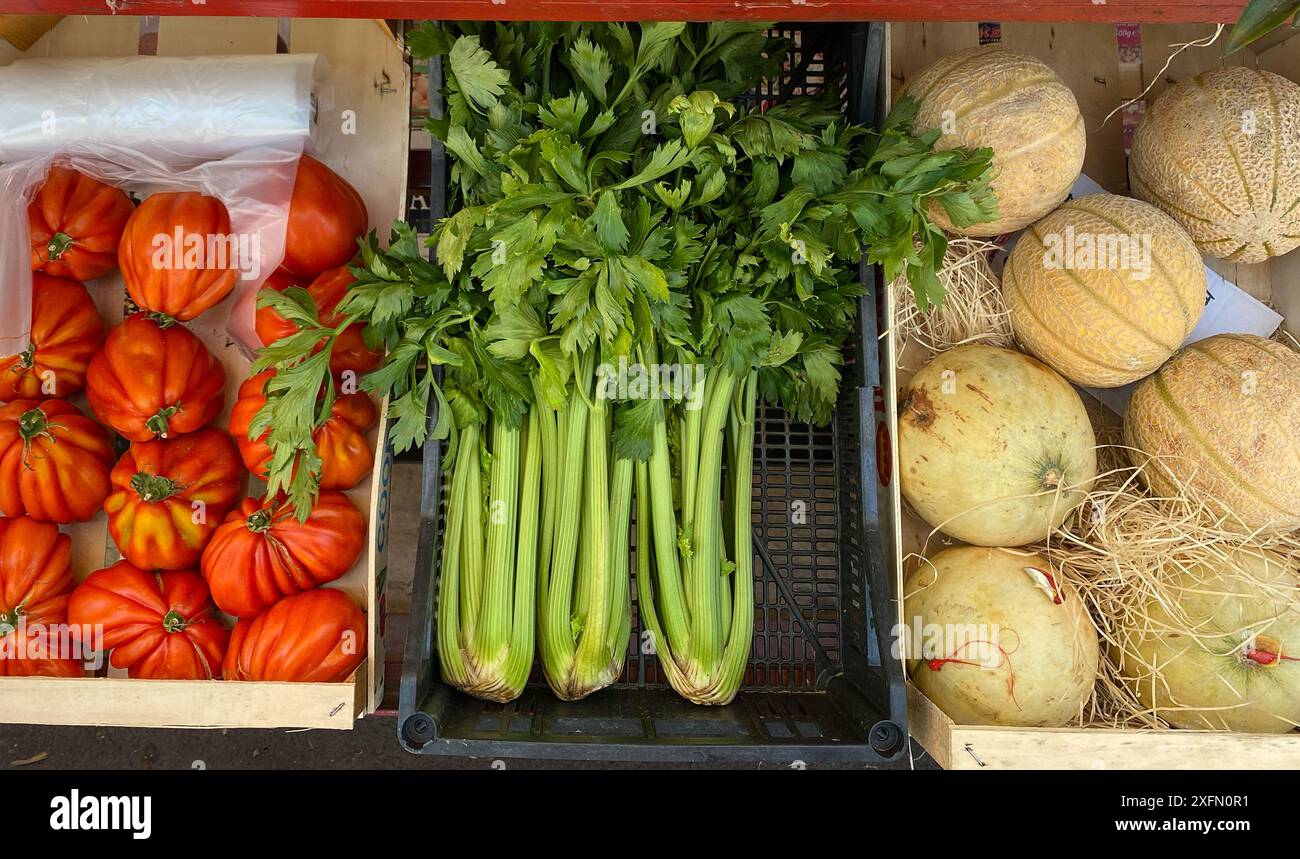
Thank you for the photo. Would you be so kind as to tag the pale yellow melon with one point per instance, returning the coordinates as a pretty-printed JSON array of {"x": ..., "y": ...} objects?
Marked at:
[
  {"x": 996, "y": 637},
  {"x": 1223, "y": 415},
  {"x": 1016, "y": 105},
  {"x": 1221, "y": 649},
  {"x": 994, "y": 447},
  {"x": 1221, "y": 153},
  {"x": 1104, "y": 289}
]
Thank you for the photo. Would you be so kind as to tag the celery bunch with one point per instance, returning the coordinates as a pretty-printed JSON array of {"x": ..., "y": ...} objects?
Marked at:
[{"x": 614, "y": 203}]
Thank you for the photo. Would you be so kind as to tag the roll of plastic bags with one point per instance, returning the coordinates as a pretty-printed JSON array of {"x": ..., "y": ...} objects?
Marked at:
[
  {"x": 176, "y": 110},
  {"x": 230, "y": 127}
]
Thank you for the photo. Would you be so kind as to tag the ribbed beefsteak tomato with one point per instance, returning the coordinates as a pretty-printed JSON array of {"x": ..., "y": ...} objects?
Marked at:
[
  {"x": 66, "y": 331},
  {"x": 262, "y": 552},
  {"x": 327, "y": 290},
  {"x": 54, "y": 461},
  {"x": 170, "y": 496},
  {"x": 154, "y": 378},
  {"x": 346, "y": 457},
  {"x": 326, "y": 217},
  {"x": 159, "y": 626},
  {"x": 35, "y": 580},
  {"x": 75, "y": 223},
  {"x": 317, "y": 636},
  {"x": 178, "y": 255}
]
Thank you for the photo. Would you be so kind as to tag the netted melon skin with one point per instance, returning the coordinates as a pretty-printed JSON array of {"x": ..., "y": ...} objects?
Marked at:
[
  {"x": 1104, "y": 326},
  {"x": 1222, "y": 415},
  {"x": 1015, "y": 104},
  {"x": 1221, "y": 154}
]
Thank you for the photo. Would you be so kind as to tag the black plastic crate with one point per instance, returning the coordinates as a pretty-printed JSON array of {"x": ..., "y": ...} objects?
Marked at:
[{"x": 821, "y": 684}]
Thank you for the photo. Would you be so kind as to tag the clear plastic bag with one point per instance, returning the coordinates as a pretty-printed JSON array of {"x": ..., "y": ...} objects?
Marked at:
[{"x": 229, "y": 127}]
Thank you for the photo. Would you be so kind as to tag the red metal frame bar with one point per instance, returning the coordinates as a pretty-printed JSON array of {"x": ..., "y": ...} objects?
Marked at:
[{"x": 1153, "y": 11}]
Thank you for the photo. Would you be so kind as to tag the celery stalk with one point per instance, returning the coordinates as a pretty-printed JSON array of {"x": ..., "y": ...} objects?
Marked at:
[
  {"x": 519, "y": 661},
  {"x": 471, "y": 571},
  {"x": 450, "y": 653},
  {"x": 707, "y": 664},
  {"x": 676, "y": 616},
  {"x": 705, "y": 565},
  {"x": 741, "y": 634},
  {"x": 488, "y": 643},
  {"x": 555, "y": 598},
  {"x": 585, "y": 602},
  {"x": 485, "y": 597}
]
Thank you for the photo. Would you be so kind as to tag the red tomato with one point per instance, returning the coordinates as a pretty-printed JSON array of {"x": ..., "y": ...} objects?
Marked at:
[
  {"x": 176, "y": 256},
  {"x": 159, "y": 626},
  {"x": 346, "y": 457},
  {"x": 317, "y": 636},
  {"x": 326, "y": 217},
  {"x": 327, "y": 290},
  {"x": 154, "y": 378},
  {"x": 263, "y": 553},
  {"x": 75, "y": 223},
  {"x": 66, "y": 331},
  {"x": 35, "y": 580},
  {"x": 170, "y": 496},
  {"x": 54, "y": 461}
]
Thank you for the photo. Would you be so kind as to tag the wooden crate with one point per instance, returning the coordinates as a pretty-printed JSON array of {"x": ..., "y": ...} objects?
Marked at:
[
  {"x": 1086, "y": 57},
  {"x": 370, "y": 77}
]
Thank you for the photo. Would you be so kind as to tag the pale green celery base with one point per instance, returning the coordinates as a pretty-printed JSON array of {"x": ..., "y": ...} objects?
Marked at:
[{"x": 711, "y": 675}]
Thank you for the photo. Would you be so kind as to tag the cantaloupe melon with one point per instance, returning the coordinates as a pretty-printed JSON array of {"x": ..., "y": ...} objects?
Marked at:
[
  {"x": 996, "y": 637},
  {"x": 1104, "y": 289},
  {"x": 1219, "y": 650},
  {"x": 1221, "y": 153},
  {"x": 1223, "y": 415},
  {"x": 994, "y": 447},
  {"x": 1015, "y": 104}
]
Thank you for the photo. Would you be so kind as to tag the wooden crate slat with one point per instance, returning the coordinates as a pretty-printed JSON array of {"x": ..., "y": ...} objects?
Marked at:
[
  {"x": 965, "y": 747},
  {"x": 375, "y": 91},
  {"x": 180, "y": 703},
  {"x": 118, "y": 36},
  {"x": 196, "y": 37},
  {"x": 23, "y": 31}
]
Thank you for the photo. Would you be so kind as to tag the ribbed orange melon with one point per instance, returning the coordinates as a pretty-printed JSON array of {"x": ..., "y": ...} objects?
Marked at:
[
  {"x": 994, "y": 447},
  {"x": 1015, "y": 104},
  {"x": 1104, "y": 289},
  {"x": 1221, "y": 153},
  {"x": 1222, "y": 415}
]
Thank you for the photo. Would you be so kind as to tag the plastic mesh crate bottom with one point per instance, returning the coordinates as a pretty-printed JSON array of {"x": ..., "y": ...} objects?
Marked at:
[{"x": 648, "y": 716}]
